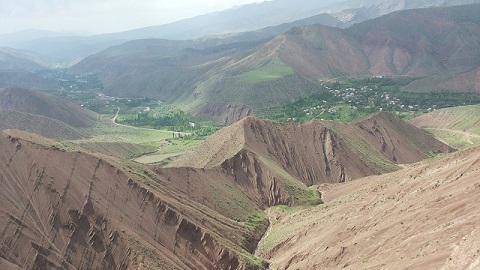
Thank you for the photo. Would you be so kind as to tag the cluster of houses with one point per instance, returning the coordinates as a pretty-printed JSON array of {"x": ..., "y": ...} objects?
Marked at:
[{"x": 361, "y": 97}]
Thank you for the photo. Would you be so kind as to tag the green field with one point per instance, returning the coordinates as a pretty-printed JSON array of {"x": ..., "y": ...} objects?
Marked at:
[
  {"x": 134, "y": 135},
  {"x": 145, "y": 130},
  {"x": 272, "y": 71},
  {"x": 143, "y": 145},
  {"x": 169, "y": 149}
]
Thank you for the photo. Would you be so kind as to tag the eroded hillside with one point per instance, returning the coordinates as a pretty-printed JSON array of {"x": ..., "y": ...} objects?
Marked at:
[
  {"x": 100, "y": 212},
  {"x": 42, "y": 104},
  {"x": 318, "y": 152},
  {"x": 422, "y": 217},
  {"x": 93, "y": 213}
]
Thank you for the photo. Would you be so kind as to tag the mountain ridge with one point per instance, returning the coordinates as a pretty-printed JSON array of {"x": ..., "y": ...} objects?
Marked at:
[
  {"x": 65, "y": 50},
  {"x": 243, "y": 77},
  {"x": 342, "y": 152}
]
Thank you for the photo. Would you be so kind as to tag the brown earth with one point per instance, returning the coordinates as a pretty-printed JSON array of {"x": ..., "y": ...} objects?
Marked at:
[
  {"x": 95, "y": 213},
  {"x": 398, "y": 140},
  {"x": 423, "y": 217},
  {"x": 318, "y": 152},
  {"x": 39, "y": 103},
  {"x": 99, "y": 212},
  {"x": 42, "y": 125}
]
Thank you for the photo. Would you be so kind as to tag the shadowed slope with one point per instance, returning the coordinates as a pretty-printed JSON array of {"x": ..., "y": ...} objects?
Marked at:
[
  {"x": 11, "y": 59},
  {"x": 41, "y": 125},
  {"x": 38, "y": 103}
]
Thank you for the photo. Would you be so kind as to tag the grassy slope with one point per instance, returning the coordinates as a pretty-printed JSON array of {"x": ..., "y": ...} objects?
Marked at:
[
  {"x": 170, "y": 149},
  {"x": 271, "y": 71},
  {"x": 457, "y": 126},
  {"x": 109, "y": 133},
  {"x": 301, "y": 194},
  {"x": 146, "y": 145},
  {"x": 118, "y": 149}
]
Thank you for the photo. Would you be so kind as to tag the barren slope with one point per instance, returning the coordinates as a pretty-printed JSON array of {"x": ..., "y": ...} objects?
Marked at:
[
  {"x": 38, "y": 103},
  {"x": 398, "y": 140},
  {"x": 41, "y": 125},
  {"x": 28, "y": 80},
  {"x": 11, "y": 59},
  {"x": 92, "y": 213},
  {"x": 318, "y": 152},
  {"x": 423, "y": 217}
]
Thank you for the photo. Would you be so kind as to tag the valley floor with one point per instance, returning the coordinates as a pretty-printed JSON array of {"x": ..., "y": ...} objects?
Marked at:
[{"x": 144, "y": 145}]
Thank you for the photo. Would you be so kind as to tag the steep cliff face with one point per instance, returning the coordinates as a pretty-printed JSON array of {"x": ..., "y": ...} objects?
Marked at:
[
  {"x": 314, "y": 153},
  {"x": 90, "y": 213},
  {"x": 398, "y": 140}
]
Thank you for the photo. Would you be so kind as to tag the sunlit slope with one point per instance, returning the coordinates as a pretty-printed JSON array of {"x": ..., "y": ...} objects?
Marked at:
[
  {"x": 318, "y": 152},
  {"x": 113, "y": 214},
  {"x": 458, "y": 126},
  {"x": 423, "y": 217}
]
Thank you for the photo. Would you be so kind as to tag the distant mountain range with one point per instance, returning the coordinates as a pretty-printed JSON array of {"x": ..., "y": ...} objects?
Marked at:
[
  {"x": 19, "y": 68},
  {"x": 64, "y": 49},
  {"x": 438, "y": 46},
  {"x": 11, "y": 59}
]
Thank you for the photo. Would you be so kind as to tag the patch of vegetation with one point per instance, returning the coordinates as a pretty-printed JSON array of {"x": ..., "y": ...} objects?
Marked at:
[
  {"x": 112, "y": 133},
  {"x": 456, "y": 139},
  {"x": 169, "y": 149},
  {"x": 67, "y": 146},
  {"x": 300, "y": 193},
  {"x": 271, "y": 71},
  {"x": 168, "y": 117},
  {"x": 288, "y": 210},
  {"x": 256, "y": 220},
  {"x": 353, "y": 99}
]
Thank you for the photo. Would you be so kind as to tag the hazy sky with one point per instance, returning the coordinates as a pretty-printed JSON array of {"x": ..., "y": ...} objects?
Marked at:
[{"x": 99, "y": 16}]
